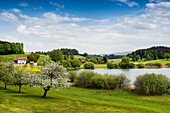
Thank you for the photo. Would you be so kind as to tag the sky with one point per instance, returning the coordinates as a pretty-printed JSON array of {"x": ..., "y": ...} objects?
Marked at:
[{"x": 92, "y": 26}]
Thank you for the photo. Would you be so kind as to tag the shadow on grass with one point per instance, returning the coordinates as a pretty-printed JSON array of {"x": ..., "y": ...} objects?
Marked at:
[
  {"x": 11, "y": 90},
  {"x": 36, "y": 97}
]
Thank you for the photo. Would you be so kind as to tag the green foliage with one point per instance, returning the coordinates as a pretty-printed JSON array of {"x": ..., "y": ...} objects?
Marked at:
[
  {"x": 71, "y": 56},
  {"x": 110, "y": 65},
  {"x": 167, "y": 56},
  {"x": 56, "y": 55},
  {"x": 90, "y": 79},
  {"x": 66, "y": 51},
  {"x": 140, "y": 65},
  {"x": 66, "y": 63},
  {"x": 125, "y": 63},
  {"x": 105, "y": 59},
  {"x": 89, "y": 65},
  {"x": 168, "y": 64},
  {"x": 72, "y": 76},
  {"x": 151, "y": 84},
  {"x": 94, "y": 60},
  {"x": 33, "y": 57},
  {"x": 76, "y": 63},
  {"x": 11, "y": 48},
  {"x": 43, "y": 60},
  {"x": 154, "y": 64},
  {"x": 6, "y": 72},
  {"x": 152, "y": 53}
]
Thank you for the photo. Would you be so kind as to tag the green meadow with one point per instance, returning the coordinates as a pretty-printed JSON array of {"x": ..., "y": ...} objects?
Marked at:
[{"x": 79, "y": 100}]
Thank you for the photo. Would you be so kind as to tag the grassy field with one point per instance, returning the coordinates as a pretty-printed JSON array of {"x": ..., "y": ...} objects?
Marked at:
[
  {"x": 163, "y": 61},
  {"x": 79, "y": 100},
  {"x": 78, "y": 56},
  {"x": 12, "y": 56}
]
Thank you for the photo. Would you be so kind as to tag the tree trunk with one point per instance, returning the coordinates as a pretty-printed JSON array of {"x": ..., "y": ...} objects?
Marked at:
[
  {"x": 5, "y": 86},
  {"x": 45, "y": 93},
  {"x": 19, "y": 88}
]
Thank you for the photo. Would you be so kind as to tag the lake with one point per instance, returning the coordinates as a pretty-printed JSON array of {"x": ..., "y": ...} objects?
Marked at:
[{"x": 132, "y": 73}]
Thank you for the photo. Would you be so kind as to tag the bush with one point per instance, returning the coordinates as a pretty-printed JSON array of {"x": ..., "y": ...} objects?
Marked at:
[
  {"x": 90, "y": 79},
  {"x": 66, "y": 63},
  {"x": 84, "y": 77},
  {"x": 168, "y": 64},
  {"x": 126, "y": 65},
  {"x": 110, "y": 65},
  {"x": 140, "y": 65},
  {"x": 72, "y": 76},
  {"x": 154, "y": 64},
  {"x": 76, "y": 63},
  {"x": 89, "y": 65},
  {"x": 151, "y": 84}
]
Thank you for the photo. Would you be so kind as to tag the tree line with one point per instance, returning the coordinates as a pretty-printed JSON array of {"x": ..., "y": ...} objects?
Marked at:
[
  {"x": 11, "y": 48},
  {"x": 153, "y": 53}
]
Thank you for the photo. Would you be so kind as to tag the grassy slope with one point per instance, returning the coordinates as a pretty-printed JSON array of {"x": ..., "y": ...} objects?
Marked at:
[
  {"x": 12, "y": 56},
  {"x": 79, "y": 100}
]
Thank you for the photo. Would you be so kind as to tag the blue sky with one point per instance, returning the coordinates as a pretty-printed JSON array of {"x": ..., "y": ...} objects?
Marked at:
[{"x": 93, "y": 26}]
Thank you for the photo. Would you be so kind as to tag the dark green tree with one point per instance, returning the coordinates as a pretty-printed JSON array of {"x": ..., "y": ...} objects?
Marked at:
[
  {"x": 33, "y": 57},
  {"x": 56, "y": 55}
]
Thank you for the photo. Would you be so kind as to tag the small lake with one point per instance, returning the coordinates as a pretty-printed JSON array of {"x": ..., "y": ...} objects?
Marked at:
[{"x": 132, "y": 73}]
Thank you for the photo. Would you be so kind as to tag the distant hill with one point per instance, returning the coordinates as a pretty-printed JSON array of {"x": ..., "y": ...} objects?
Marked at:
[
  {"x": 123, "y": 53},
  {"x": 153, "y": 53}
]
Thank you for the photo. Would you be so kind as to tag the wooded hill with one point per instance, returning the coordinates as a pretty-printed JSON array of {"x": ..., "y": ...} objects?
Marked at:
[
  {"x": 11, "y": 48},
  {"x": 152, "y": 53}
]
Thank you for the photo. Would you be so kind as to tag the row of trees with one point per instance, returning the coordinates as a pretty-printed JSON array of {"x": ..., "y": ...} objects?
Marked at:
[
  {"x": 11, "y": 48},
  {"x": 152, "y": 53},
  {"x": 52, "y": 75}
]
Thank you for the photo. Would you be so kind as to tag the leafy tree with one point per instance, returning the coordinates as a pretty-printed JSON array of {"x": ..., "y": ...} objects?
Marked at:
[
  {"x": 105, "y": 59},
  {"x": 6, "y": 72},
  {"x": 76, "y": 63},
  {"x": 53, "y": 75},
  {"x": 33, "y": 57},
  {"x": 125, "y": 60},
  {"x": 167, "y": 56},
  {"x": 94, "y": 60},
  {"x": 43, "y": 60},
  {"x": 56, "y": 55},
  {"x": 89, "y": 65},
  {"x": 85, "y": 54},
  {"x": 66, "y": 63},
  {"x": 138, "y": 58},
  {"x": 22, "y": 77},
  {"x": 71, "y": 56}
]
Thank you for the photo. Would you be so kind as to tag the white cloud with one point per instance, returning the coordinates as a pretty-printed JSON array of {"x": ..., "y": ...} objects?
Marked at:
[
  {"x": 56, "y": 4},
  {"x": 8, "y": 17},
  {"x": 128, "y": 2},
  {"x": 16, "y": 10},
  {"x": 24, "y": 4}
]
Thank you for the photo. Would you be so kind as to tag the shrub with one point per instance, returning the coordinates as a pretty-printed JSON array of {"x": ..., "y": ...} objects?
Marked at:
[
  {"x": 76, "y": 63},
  {"x": 83, "y": 78},
  {"x": 151, "y": 84},
  {"x": 66, "y": 63},
  {"x": 89, "y": 65},
  {"x": 140, "y": 65},
  {"x": 122, "y": 80},
  {"x": 110, "y": 65},
  {"x": 90, "y": 79},
  {"x": 72, "y": 76},
  {"x": 126, "y": 65},
  {"x": 154, "y": 64},
  {"x": 168, "y": 64}
]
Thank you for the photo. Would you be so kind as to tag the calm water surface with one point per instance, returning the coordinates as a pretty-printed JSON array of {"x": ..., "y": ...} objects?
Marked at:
[{"x": 132, "y": 73}]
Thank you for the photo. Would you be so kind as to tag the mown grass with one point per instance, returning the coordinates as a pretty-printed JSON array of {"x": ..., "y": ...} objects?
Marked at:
[{"x": 79, "y": 100}]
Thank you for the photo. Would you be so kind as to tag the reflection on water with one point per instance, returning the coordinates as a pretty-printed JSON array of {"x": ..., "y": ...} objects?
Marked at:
[{"x": 132, "y": 73}]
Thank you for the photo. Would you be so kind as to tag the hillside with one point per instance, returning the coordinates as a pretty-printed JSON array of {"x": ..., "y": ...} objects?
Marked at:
[{"x": 152, "y": 53}]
